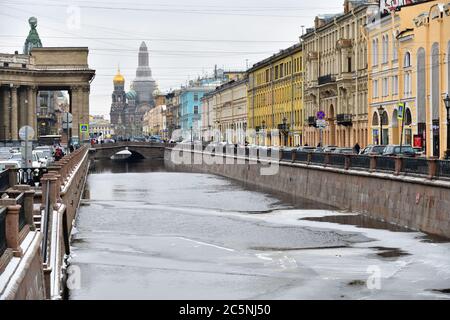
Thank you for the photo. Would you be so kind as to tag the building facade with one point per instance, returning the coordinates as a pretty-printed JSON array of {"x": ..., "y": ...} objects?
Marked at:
[
  {"x": 335, "y": 52},
  {"x": 416, "y": 78},
  {"x": 225, "y": 110},
  {"x": 274, "y": 98},
  {"x": 100, "y": 128}
]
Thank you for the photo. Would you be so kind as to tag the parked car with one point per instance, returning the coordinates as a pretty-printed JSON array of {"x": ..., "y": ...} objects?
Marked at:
[
  {"x": 344, "y": 150},
  {"x": 373, "y": 149},
  {"x": 329, "y": 148},
  {"x": 306, "y": 148},
  {"x": 41, "y": 157},
  {"x": 419, "y": 152},
  {"x": 394, "y": 150}
]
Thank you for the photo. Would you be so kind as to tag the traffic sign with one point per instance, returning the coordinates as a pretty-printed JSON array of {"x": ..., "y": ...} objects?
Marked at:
[
  {"x": 401, "y": 111},
  {"x": 26, "y": 133},
  {"x": 321, "y": 123},
  {"x": 320, "y": 115},
  {"x": 84, "y": 127}
]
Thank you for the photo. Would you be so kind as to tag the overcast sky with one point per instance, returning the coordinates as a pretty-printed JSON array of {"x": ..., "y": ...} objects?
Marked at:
[{"x": 185, "y": 38}]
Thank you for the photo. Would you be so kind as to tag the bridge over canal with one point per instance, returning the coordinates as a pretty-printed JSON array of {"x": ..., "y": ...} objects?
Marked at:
[{"x": 139, "y": 150}]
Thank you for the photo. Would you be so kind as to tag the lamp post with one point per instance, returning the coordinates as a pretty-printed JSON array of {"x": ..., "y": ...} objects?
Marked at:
[
  {"x": 263, "y": 127},
  {"x": 447, "y": 106},
  {"x": 192, "y": 138},
  {"x": 285, "y": 131},
  {"x": 380, "y": 112}
]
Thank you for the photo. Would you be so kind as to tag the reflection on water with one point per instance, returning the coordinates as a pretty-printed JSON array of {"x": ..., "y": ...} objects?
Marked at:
[{"x": 126, "y": 166}]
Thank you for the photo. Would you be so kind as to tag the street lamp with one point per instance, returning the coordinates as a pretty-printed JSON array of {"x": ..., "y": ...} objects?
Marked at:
[
  {"x": 380, "y": 112},
  {"x": 263, "y": 127},
  {"x": 285, "y": 131},
  {"x": 192, "y": 138},
  {"x": 447, "y": 106}
]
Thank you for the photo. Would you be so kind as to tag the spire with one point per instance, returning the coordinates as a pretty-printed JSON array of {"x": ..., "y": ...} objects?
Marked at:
[
  {"x": 143, "y": 55},
  {"x": 33, "y": 40}
]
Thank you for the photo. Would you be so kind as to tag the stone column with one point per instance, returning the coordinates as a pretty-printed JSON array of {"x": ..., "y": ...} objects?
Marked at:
[
  {"x": 6, "y": 115},
  {"x": 75, "y": 110},
  {"x": 14, "y": 114},
  {"x": 31, "y": 112},
  {"x": 85, "y": 108},
  {"x": 12, "y": 229},
  {"x": 22, "y": 106}
]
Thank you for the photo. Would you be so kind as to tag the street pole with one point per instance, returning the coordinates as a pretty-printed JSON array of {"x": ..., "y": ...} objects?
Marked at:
[
  {"x": 403, "y": 127},
  {"x": 447, "y": 106},
  {"x": 380, "y": 112}
]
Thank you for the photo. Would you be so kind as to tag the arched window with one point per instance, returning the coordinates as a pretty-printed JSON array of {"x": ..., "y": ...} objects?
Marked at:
[
  {"x": 407, "y": 60},
  {"x": 385, "y": 118},
  {"x": 375, "y": 121},
  {"x": 421, "y": 89},
  {"x": 408, "y": 117}
]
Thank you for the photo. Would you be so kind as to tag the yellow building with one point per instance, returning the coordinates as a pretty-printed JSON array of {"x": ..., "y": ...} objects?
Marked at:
[
  {"x": 422, "y": 45},
  {"x": 275, "y": 98}
]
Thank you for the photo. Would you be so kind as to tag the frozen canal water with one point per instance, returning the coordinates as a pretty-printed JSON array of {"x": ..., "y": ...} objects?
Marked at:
[{"x": 145, "y": 233}]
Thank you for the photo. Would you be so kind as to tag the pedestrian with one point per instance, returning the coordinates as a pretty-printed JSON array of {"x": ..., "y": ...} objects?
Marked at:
[{"x": 356, "y": 148}]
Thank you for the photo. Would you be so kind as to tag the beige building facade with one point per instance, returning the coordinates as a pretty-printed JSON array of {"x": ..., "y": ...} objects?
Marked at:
[
  {"x": 225, "y": 110},
  {"x": 335, "y": 52},
  {"x": 23, "y": 76}
]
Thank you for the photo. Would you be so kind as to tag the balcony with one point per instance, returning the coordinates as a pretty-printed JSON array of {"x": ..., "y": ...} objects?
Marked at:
[
  {"x": 325, "y": 79},
  {"x": 312, "y": 121},
  {"x": 344, "y": 119}
]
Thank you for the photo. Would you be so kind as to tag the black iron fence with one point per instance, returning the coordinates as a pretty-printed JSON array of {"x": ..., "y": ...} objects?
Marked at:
[
  {"x": 443, "y": 169},
  {"x": 3, "y": 246},
  {"x": 22, "y": 219},
  {"x": 415, "y": 166},
  {"x": 430, "y": 168},
  {"x": 336, "y": 160},
  {"x": 318, "y": 158},
  {"x": 4, "y": 180},
  {"x": 359, "y": 162},
  {"x": 386, "y": 164},
  {"x": 30, "y": 176}
]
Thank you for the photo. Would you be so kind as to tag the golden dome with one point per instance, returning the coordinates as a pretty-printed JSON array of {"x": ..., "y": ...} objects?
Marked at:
[{"x": 119, "y": 79}]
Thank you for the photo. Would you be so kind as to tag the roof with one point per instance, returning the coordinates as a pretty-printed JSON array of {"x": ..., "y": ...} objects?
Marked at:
[{"x": 277, "y": 56}]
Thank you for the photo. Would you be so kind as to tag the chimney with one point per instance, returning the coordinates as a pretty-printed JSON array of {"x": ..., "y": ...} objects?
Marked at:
[{"x": 319, "y": 22}]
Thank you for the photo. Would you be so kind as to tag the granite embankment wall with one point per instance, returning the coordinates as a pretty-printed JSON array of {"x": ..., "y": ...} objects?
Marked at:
[{"x": 413, "y": 202}]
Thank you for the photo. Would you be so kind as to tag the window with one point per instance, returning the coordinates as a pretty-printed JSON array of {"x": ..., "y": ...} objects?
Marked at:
[
  {"x": 375, "y": 89},
  {"x": 385, "y": 88},
  {"x": 407, "y": 83},
  {"x": 395, "y": 85},
  {"x": 375, "y": 52},
  {"x": 407, "y": 60},
  {"x": 195, "y": 109},
  {"x": 195, "y": 96}
]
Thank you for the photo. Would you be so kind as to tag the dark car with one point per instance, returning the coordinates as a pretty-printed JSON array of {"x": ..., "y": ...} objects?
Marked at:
[
  {"x": 344, "y": 150},
  {"x": 373, "y": 149},
  {"x": 397, "y": 150}
]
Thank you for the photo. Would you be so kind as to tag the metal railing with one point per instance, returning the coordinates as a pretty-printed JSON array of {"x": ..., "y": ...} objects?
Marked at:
[
  {"x": 4, "y": 180},
  {"x": 30, "y": 176},
  {"x": 415, "y": 166},
  {"x": 3, "y": 245},
  {"x": 424, "y": 167},
  {"x": 336, "y": 159},
  {"x": 385, "y": 164},
  {"x": 443, "y": 168},
  {"x": 359, "y": 162},
  {"x": 318, "y": 158},
  {"x": 22, "y": 219}
]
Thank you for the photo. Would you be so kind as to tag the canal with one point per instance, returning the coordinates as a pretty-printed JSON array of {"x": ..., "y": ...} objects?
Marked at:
[{"x": 143, "y": 232}]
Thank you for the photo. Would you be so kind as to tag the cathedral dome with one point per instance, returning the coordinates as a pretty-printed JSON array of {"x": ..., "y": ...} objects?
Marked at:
[
  {"x": 119, "y": 79},
  {"x": 131, "y": 95}
]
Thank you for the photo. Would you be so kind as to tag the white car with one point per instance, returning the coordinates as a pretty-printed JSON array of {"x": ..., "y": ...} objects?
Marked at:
[{"x": 41, "y": 158}]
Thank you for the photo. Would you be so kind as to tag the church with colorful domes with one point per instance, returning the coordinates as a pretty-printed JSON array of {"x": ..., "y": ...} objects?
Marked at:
[{"x": 128, "y": 108}]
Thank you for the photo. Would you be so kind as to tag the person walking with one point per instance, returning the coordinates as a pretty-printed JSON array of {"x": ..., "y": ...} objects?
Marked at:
[{"x": 356, "y": 148}]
